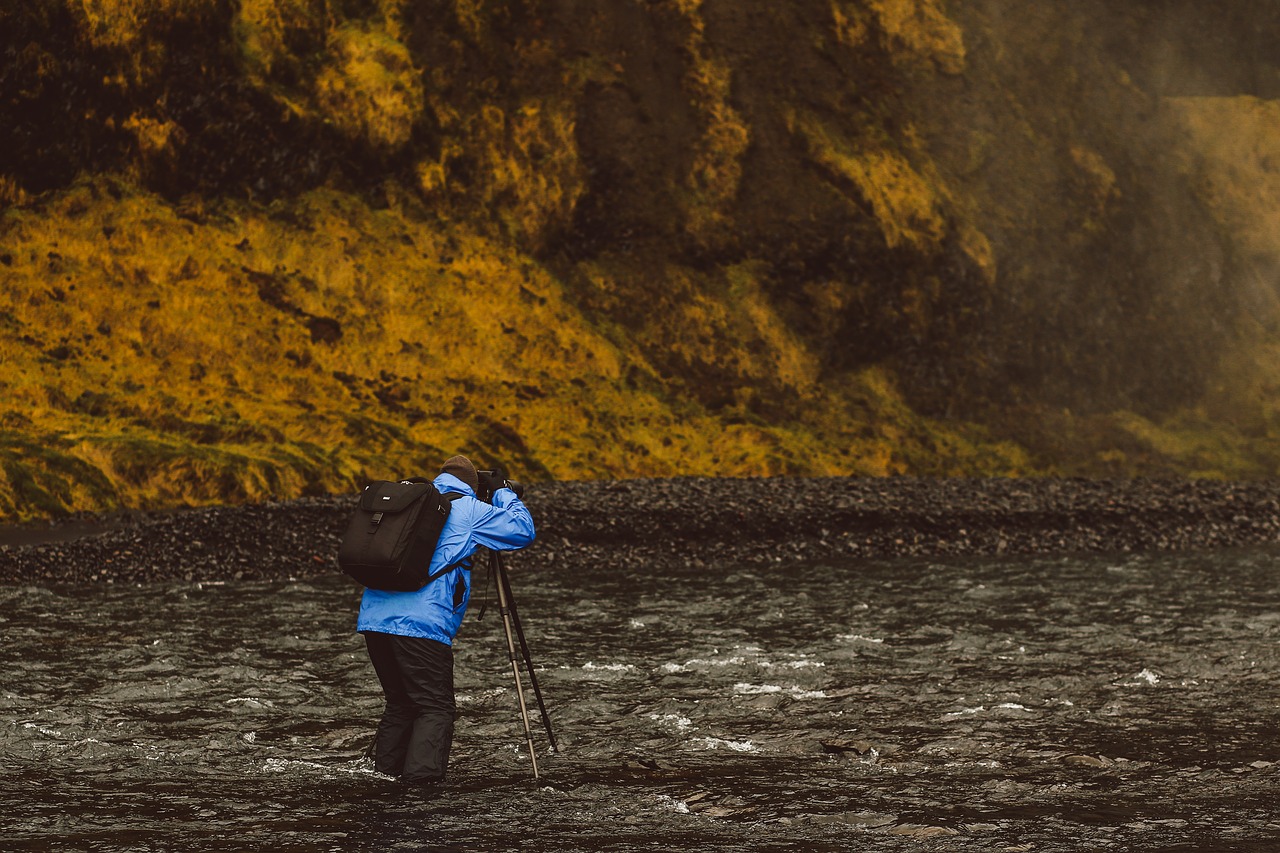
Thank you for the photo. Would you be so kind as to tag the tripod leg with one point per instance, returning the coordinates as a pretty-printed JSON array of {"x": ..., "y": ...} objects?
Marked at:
[
  {"x": 505, "y": 582},
  {"x": 504, "y": 607}
]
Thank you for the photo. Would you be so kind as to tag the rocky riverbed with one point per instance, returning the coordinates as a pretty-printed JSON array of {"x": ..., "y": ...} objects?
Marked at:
[
  {"x": 633, "y": 524},
  {"x": 801, "y": 692}
]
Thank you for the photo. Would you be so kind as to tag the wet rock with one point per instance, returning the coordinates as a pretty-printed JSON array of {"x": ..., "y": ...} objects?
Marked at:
[
  {"x": 871, "y": 820},
  {"x": 1095, "y": 761},
  {"x": 634, "y": 762},
  {"x": 722, "y": 810},
  {"x": 843, "y": 745},
  {"x": 921, "y": 831}
]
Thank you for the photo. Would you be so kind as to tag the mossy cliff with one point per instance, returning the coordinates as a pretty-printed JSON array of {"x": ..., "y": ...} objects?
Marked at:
[{"x": 275, "y": 247}]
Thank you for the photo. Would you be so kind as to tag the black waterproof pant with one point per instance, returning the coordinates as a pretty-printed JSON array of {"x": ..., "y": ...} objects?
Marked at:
[{"x": 417, "y": 727}]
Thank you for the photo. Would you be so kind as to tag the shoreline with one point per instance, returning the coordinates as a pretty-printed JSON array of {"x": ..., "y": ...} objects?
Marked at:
[{"x": 668, "y": 523}]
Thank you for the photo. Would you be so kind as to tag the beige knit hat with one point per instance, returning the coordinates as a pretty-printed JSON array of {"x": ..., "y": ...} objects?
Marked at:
[{"x": 461, "y": 467}]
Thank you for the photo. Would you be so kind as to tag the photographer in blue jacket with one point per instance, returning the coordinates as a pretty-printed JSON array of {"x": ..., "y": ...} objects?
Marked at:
[{"x": 409, "y": 635}]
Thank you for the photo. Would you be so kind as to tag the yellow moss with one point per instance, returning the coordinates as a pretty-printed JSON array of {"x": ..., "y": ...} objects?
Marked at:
[
  {"x": 1190, "y": 439},
  {"x": 371, "y": 90},
  {"x": 1233, "y": 143},
  {"x": 851, "y": 30},
  {"x": 1247, "y": 390},
  {"x": 176, "y": 361},
  {"x": 1100, "y": 174},
  {"x": 906, "y": 204},
  {"x": 1197, "y": 442},
  {"x": 262, "y": 28},
  {"x": 548, "y": 174},
  {"x": 473, "y": 18},
  {"x": 110, "y": 22},
  {"x": 715, "y": 170},
  {"x": 524, "y": 165},
  {"x": 689, "y": 9},
  {"x": 1099, "y": 177},
  {"x": 978, "y": 248},
  {"x": 887, "y": 437},
  {"x": 904, "y": 201},
  {"x": 431, "y": 176},
  {"x": 845, "y": 423},
  {"x": 119, "y": 23},
  {"x": 153, "y": 135},
  {"x": 11, "y": 192},
  {"x": 392, "y": 12},
  {"x": 1231, "y": 150},
  {"x": 920, "y": 30},
  {"x": 788, "y": 361}
]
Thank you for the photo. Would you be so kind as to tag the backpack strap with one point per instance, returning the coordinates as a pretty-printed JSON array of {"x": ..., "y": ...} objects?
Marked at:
[
  {"x": 444, "y": 571},
  {"x": 450, "y": 497}
]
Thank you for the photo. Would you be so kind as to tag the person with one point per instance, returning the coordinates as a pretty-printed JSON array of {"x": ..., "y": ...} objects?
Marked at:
[{"x": 409, "y": 635}]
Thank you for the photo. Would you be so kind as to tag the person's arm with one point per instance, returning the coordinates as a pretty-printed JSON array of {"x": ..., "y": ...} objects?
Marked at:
[{"x": 504, "y": 525}]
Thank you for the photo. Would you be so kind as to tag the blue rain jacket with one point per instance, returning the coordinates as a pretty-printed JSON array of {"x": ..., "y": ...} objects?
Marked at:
[{"x": 504, "y": 525}]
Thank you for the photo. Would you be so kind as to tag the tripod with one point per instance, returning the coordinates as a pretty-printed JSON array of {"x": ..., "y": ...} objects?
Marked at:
[{"x": 510, "y": 620}]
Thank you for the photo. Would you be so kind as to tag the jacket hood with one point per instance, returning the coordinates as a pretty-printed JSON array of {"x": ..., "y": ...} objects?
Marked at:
[{"x": 450, "y": 483}]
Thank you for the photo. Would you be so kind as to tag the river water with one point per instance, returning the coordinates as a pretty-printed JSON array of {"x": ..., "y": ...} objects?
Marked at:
[{"x": 1127, "y": 702}]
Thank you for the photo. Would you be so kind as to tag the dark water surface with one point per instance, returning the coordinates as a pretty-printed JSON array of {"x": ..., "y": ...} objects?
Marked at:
[{"x": 1019, "y": 704}]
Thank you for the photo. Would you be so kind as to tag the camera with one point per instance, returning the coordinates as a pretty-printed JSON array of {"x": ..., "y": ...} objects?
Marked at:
[{"x": 492, "y": 480}]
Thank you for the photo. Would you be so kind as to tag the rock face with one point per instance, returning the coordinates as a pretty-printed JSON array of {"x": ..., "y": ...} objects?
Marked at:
[
  {"x": 267, "y": 248},
  {"x": 645, "y": 525}
]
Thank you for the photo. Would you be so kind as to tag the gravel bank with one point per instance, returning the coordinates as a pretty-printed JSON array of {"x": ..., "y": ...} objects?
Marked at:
[{"x": 648, "y": 524}]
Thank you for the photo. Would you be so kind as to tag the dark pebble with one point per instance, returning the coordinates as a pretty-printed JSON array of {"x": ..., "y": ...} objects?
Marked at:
[{"x": 688, "y": 522}]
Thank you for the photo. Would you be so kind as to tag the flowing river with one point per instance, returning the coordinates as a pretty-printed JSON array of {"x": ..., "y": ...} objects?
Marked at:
[{"x": 1068, "y": 703}]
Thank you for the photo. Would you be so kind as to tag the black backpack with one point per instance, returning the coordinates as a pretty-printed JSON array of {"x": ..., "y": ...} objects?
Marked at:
[{"x": 393, "y": 535}]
